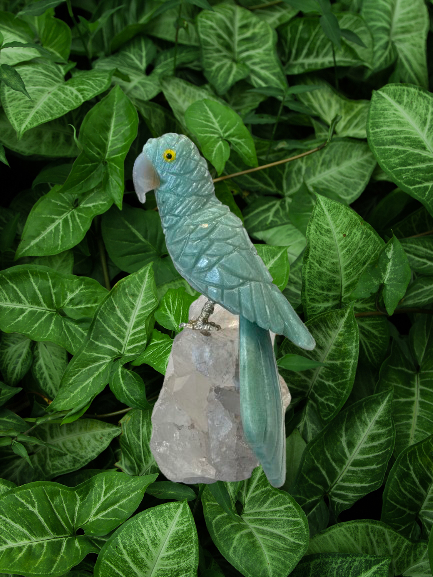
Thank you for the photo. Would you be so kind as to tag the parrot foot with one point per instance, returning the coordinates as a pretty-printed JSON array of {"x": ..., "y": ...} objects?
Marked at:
[{"x": 202, "y": 323}]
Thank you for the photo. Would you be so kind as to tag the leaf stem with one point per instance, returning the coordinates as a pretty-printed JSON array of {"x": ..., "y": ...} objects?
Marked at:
[
  {"x": 398, "y": 311},
  {"x": 103, "y": 258},
  {"x": 275, "y": 126},
  {"x": 106, "y": 415},
  {"x": 421, "y": 234},
  {"x": 271, "y": 164},
  {"x": 74, "y": 20}
]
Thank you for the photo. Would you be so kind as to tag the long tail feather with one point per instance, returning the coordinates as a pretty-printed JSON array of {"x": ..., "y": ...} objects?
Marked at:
[{"x": 261, "y": 404}]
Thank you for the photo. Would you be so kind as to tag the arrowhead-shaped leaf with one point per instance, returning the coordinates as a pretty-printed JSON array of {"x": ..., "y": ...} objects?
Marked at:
[{"x": 118, "y": 331}]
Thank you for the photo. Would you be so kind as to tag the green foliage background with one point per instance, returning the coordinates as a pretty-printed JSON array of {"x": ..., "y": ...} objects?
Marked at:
[{"x": 90, "y": 301}]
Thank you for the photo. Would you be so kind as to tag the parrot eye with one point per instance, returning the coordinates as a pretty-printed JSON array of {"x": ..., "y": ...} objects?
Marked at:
[{"x": 169, "y": 155}]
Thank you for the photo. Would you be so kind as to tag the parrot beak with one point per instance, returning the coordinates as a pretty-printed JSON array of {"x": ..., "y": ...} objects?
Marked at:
[{"x": 144, "y": 176}]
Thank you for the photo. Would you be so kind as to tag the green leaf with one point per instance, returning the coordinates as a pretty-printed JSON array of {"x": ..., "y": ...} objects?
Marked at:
[
  {"x": 173, "y": 309},
  {"x": 277, "y": 262},
  {"x": 52, "y": 97},
  {"x": 54, "y": 139},
  {"x": 348, "y": 459},
  {"x": 371, "y": 538},
  {"x": 352, "y": 37},
  {"x": 9, "y": 421},
  {"x": 237, "y": 44},
  {"x": 56, "y": 37},
  {"x": 133, "y": 238},
  {"x": 224, "y": 192},
  {"x": 419, "y": 252},
  {"x": 333, "y": 262},
  {"x": 333, "y": 564},
  {"x": 7, "y": 393},
  {"x": 399, "y": 135},
  {"x": 16, "y": 30},
  {"x": 296, "y": 363},
  {"x": 295, "y": 446},
  {"x": 6, "y": 486},
  {"x": 118, "y": 331},
  {"x": 157, "y": 352},
  {"x": 340, "y": 171},
  {"x": 3, "y": 155},
  {"x": 170, "y": 490},
  {"x": 108, "y": 499},
  {"x": 44, "y": 543},
  {"x": 413, "y": 392},
  {"x": 38, "y": 8},
  {"x": 272, "y": 528},
  {"x": 132, "y": 60},
  {"x": 214, "y": 125},
  {"x": 267, "y": 219},
  {"x": 106, "y": 135},
  {"x": 11, "y": 78},
  {"x": 59, "y": 221},
  {"x": 128, "y": 387},
  {"x": 222, "y": 497},
  {"x": 307, "y": 48},
  {"x": 373, "y": 334},
  {"x": 67, "y": 448},
  {"x": 419, "y": 293},
  {"x": 161, "y": 540},
  {"x": 411, "y": 475},
  {"x": 399, "y": 29},
  {"x": 391, "y": 271},
  {"x": 136, "y": 457},
  {"x": 20, "y": 450},
  {"x": 15, "y": 357},
  {"x": 331, "y": 28},
  {"x": 46, "y": 305},
  {"x": 50, "y": 361},
  {"x": 326, "y": 102}
]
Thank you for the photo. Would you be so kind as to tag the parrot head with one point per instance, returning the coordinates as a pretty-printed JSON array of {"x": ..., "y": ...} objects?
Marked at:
[{"x": 171, "y": 154}]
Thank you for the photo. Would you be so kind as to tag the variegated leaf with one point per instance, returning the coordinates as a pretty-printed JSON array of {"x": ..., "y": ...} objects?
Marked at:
[
  {"x": 236, "y": 44},
  {"x": 399, "y": 29},
  {"x": 118, "y": 331},
  {"x": 271, "y": 527},
  {"x": 15, "y": 357},
  {"x": 159, "y": 541},
  {"x": 52, "y": 97},
  {"x": 348, "y": 459},
  {"x": 46, "y": 305},
  {"x": 337, "y": 346}
]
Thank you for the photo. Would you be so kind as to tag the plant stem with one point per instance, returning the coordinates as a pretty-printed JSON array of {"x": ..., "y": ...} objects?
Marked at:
[
  {"x": 271, "y": 164},
  {"x": 421, "y": 234},
  {"x": 335, "y": 66},
  {"x": 175, "y": 40},
  {"x": 398, "y": 311},
  {"x": 103, "y": 258},
  {"x": 114, "y": 414},
  {"x": 275, "y": 126},
  {"x": 71, "y": 14}
]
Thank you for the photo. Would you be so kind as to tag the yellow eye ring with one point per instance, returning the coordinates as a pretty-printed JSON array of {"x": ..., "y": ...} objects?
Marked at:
[{"x": 169, "y": 155}]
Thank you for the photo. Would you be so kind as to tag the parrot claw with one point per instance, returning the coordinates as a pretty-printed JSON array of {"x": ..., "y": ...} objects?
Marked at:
[{"x": 202, "y": 323}]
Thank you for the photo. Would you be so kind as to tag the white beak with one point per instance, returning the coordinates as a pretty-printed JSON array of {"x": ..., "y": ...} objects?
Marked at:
[{"x": 144, "y": 176}]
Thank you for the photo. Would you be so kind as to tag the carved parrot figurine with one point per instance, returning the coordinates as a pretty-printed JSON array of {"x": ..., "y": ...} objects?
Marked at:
[{"x": 212, "y": 251}]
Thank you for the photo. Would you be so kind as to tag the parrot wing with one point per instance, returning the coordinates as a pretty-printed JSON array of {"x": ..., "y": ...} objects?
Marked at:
[{"x": 214, "y": 253}]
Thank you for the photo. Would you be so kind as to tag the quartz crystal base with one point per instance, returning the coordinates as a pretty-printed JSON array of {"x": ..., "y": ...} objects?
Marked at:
[{"x": 197, "y": 434}]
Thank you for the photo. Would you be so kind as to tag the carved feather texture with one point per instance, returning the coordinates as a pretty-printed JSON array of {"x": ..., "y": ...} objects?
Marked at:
[{"x": 209, "y": 245}]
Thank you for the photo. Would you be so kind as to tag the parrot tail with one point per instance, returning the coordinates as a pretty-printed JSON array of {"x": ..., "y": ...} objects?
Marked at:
[{"x": 262, "y": 410}]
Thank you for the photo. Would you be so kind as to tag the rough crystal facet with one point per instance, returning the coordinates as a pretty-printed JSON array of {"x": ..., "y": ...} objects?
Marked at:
[{"x": 197, "y": 434}]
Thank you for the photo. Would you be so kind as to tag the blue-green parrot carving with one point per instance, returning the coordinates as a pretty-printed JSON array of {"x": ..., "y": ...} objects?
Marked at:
[{"x": 212, "y": 251}]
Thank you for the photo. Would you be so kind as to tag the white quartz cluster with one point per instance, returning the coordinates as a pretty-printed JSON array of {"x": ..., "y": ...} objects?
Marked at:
[{"x": 197, "y": 434}]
